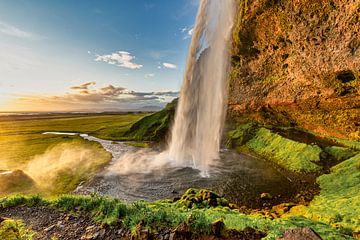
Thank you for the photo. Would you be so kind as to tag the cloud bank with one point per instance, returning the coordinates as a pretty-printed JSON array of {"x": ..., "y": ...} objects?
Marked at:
[{"x": 89, "y": 97}]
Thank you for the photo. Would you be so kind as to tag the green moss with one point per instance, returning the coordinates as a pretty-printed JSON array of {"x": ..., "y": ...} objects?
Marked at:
[
  {"x": 291, "y": 155},
  {"x": 15, "y": 230},
  {"x": 241, "y": 135},
  {"x": 153, "y": 127},
  {"x": 339, "y": 199},
  {"x": 351, "y": 144},
  {"x": 340, "y": 153},
  {"x": 195, "y": 198}
]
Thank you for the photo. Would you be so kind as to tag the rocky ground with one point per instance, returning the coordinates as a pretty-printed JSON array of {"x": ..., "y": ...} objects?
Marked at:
[{"x": 50, "y": 223}]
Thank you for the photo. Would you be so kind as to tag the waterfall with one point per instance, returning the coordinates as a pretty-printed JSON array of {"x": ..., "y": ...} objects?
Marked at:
[{"x": 196, "y": 133}]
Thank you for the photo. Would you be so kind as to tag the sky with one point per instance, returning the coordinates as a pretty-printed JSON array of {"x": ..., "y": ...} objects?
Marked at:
[{"x": 92, "y": 55}]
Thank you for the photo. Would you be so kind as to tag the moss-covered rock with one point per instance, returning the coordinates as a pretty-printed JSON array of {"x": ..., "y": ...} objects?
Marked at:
[
  {"x": 202, "y": 199},
  {"x": 15, "y": 230},
  {"x": 241, "y": 134},
  {"x": 15, "y": 181},
  {"x": 153, "y": 127},
  {"x": 289, "y": 154}
]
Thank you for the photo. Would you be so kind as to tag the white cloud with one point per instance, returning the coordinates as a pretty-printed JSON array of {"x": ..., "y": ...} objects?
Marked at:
[
  {"x": 14, "y": 31},
  {"x": 149, "y": 75},
  {"x": 169, "y": 65},
  {"x": 120, "y": 59}
]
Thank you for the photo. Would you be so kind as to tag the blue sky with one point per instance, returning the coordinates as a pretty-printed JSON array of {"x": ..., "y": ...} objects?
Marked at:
[{"x": 49, "y": 48}]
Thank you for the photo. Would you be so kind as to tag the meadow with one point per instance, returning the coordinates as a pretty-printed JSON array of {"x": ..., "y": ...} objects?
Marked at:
[{"x": 24, "y": 146}]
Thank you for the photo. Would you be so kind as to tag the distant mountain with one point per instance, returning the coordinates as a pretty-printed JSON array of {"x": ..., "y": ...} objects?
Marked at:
[{"x": 150, "y": 108}]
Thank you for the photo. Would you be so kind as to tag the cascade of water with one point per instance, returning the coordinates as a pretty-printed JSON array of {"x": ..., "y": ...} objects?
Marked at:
[{"x": 196, "y": 133}]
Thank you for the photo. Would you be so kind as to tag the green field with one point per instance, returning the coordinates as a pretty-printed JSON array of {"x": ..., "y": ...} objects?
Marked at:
[{"x": 23, "y": 146}]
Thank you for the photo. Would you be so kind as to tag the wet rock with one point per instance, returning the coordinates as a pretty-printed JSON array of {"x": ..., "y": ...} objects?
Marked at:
[
  {"x": 92, "y": 232},
  {"x": 48, "y": 229},
  {"x": 218, "y": 227},
  {"x": 265, "y": 196},
  {"x": 300, "y": 234},
  {"x": 182, "y": 232},
  {"x": 282, "y": 208},
  {"x": 356, "y": 235}
]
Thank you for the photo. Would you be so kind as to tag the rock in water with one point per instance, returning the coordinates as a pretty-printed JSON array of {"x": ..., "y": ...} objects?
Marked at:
[
  {"x": 300, "y": 234},
  {"x": 15, "y": 181}
]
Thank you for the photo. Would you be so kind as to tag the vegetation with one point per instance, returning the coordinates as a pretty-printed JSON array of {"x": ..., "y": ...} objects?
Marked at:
[
  {"x": 167, "y": 214},
  {"x": 339, "y": 199},
  {"x": 15, "y": 230},
  {"x": 60, "y": 162},
  {"x": 153, "y": 127},
  {"x": 289, "y": 154}
]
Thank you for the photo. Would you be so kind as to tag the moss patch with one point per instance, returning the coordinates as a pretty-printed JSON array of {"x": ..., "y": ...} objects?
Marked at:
[
  {"x": 339, "y": 199},
  {"x": 289, "y": 154},
  {"x": 340, "y": 153}
]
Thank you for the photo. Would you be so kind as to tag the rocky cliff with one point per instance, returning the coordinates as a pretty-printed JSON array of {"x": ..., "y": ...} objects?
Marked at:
[{"x": 297, "y": 63}]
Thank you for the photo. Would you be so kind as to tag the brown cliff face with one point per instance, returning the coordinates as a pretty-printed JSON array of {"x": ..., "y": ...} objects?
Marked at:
[{"x": 297, "y": 63}]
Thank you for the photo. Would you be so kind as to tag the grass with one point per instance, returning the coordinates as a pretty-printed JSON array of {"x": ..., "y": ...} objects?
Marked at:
[
  {"x": 15, "y": 230},
  {"x": 166, "y": 214}
]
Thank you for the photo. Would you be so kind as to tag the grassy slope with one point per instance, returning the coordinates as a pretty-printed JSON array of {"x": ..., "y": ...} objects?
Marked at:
[{"x": 153, "y": 127}]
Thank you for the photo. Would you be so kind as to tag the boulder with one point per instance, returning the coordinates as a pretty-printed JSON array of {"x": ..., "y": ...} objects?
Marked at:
[
  {"x": 14, "y": 181},
  {"x": 300, "y": 234}
]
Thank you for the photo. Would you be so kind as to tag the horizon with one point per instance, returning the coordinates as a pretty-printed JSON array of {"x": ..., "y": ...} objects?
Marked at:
[{"x": 72, "y": 56}]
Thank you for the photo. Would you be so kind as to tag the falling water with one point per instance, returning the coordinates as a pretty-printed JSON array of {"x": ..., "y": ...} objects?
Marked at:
[{"x": 196, "y": 133}]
